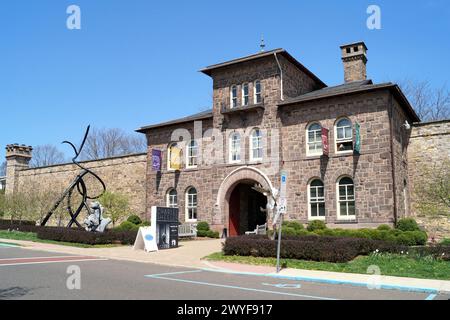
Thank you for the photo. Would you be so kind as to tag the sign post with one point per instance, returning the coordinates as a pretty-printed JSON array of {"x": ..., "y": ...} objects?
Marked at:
[{"x": 281, "y": 208}]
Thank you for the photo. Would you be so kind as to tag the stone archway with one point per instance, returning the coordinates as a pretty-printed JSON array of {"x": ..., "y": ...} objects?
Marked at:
[{"x": 242, "y": 175}]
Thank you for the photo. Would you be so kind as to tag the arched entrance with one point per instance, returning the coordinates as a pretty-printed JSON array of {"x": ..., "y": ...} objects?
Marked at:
[
  {"x": 236, "y": 195},
  {"x": 246, "y": 209}
]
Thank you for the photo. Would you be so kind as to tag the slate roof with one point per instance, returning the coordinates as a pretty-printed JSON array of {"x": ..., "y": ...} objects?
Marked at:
[{"x": 198, "y": 116}]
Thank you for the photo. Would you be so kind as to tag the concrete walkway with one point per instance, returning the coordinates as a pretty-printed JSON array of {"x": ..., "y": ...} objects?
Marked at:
[{"x": 189, "y": 254}]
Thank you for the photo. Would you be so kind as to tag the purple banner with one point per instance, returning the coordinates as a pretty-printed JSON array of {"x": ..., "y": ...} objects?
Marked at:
[{"x": 156, "y": 160}]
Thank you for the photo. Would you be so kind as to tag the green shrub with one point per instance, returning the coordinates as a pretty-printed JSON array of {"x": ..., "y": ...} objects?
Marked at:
[
  {"x": 407, "y": 224},
  {"x": 420, "y": 237},
  {"x": 134, "y": 219},
  {"x": 208, "y": 234},
  {"x": 203, "y": 226},
  {"x": 384, "y": 227},
  {"x": 145, "y": 224},
  {"x": 406, "y": 238},
  {"x": 127, "y": 226},
  {"x": 316, "y": 225},
  {"x": 445, "y": 242},
  {"x": 294, "y": 225}
]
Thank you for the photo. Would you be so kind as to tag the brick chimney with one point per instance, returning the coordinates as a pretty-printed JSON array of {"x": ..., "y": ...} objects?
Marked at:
[
  {"x": 354, "y": 56},
  {"x": 17, "y": 159}
]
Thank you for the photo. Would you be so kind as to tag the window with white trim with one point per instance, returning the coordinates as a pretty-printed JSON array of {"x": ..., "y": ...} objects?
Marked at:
[
  {"x": 245, "y": 98},
  {"x": 346, "y": 199},
  {"x": 192, "y": 154},
  {"x": 257, "y": 92},
  {"x": 314, "y": 136},
  {"x": 235, "y": 147},
  {"x": 172, "y": 198},
  {"x": 344, "y": 135},
  {"x": 234, "y": 97},
  {"x": 316, "y": 194},
  {"x": 191, "y": 204},
  {"x": 256, "y": 152}
]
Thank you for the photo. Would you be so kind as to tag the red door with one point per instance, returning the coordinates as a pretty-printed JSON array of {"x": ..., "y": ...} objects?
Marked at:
[{"x": 235, "y": 212}]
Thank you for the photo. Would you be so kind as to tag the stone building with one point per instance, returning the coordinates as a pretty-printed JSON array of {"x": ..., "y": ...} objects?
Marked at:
[{"x": 344, "y": 148}]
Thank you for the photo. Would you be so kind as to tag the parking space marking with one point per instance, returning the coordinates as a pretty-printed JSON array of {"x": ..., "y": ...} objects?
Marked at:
[
  {"x": 431, "y": 297},
  {"x": 237, "y": 287},
  {"x": 172, "y": 273},
  {"x": 7, "y": 245},
  {"x": 46, "y": 260}
]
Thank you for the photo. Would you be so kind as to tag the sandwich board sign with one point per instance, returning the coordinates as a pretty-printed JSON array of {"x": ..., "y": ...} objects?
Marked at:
[
  {"x": 146, "y": 240},
  {"x": 166, "y": 222}
]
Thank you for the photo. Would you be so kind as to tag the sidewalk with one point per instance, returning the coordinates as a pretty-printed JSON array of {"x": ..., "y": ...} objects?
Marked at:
[
  {"x": 189, "y": 254},
  {"x": 361, "y": 280}
]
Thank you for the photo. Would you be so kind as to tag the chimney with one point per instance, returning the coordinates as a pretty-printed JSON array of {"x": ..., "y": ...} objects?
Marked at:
[
  {"x": 354, "y": 56},
  {"x": 17, "y": 159}
]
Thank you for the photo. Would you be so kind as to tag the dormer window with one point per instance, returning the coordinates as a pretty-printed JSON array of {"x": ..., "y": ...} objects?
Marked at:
[
  {"x": 234, "y": 97},
  {"x": 245, "y": 94},
  {"x": 257, "y": 92}
]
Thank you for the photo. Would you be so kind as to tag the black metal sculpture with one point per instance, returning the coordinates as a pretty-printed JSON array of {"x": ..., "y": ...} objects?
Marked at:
[{"x": 78, "y": 185}]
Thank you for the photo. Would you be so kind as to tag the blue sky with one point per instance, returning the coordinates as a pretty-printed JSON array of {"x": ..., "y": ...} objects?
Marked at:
[{"x": 135, "y": 62}]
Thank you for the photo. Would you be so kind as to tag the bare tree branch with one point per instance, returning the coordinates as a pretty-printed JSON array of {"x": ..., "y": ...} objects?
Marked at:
[{"x": 46, "y": 155}]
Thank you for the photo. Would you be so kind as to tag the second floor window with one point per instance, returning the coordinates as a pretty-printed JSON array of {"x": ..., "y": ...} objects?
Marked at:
[
  {"x": 344, "y": 135},
  {"x": 234, "y": 97},
  {"x": 192, "y": 154},
  {"x": 314, "y": 139},
  {"x": 257, "y": 92},
  {"x": 245, "y": 94},
  {"x": 256, "y": 152},
  {"x": 235, "y": 147}
]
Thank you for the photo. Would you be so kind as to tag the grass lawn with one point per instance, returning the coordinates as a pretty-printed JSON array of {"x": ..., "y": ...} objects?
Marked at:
[
  {"x": 390, "y": 265},
  {"x": 30, "y": 236}
]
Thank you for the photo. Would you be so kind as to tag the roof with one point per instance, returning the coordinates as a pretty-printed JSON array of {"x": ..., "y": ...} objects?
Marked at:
[
  {"x": 354, "y": 44},
  {"x": 208, "y": 70},
  {"x": 198, "y": 116},
  {"x": 353, "y": 88}
]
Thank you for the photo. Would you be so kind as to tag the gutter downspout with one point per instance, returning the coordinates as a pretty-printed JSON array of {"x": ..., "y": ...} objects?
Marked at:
[
  {"x": 394, "y": 183},
  {"x": 281, "y": 76}
]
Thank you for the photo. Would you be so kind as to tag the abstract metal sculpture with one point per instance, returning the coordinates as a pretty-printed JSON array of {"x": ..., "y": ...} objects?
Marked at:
[{"x": 95, "y": 217}]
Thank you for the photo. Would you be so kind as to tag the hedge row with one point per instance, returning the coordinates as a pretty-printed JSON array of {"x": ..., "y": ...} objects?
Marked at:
[
  {"x": 5, "y": 223},
  {"x": 84, "y": 237},
  {"x": 324, "y": 249}
]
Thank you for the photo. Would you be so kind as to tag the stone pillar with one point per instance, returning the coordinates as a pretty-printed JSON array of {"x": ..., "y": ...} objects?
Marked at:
[{"x": 17, "y": 159}]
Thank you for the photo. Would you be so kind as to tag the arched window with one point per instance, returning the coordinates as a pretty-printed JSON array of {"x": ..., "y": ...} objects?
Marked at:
[
  {"x": 172, "y": 198},
  {"x": 235, "y": 147},
  {"x": 256, "y": 151},
  {"x": 192, "y": 154},
  {"x": 234, "y": 97},
  {"x": 191, "y": 204},
  {"x": 346, "y": 199},
  {"x": 245, "y": 98},
  {"x": 314, "y": 136},
  {"x": 344, "y": 135},
  {"x": 316, "y": 195},
  {"x": 173, "y": 157},
  {"x": 257, "y": 92}
]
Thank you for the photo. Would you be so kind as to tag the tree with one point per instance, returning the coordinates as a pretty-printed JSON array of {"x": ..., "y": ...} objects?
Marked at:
[
  {"x": 430, "y": 104},
  {"x": 46, "y": 155},
  {"x": 106, "y": 143},
  {"x": 116, "y": 206},
  {"x": 3, "y": 169}
]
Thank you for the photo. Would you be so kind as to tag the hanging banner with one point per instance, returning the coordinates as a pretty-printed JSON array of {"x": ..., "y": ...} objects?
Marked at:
[
  {"x": 175, "y": 158},
  {"x": 156, "y": 160},
  {"x": 325, "y": 144},
  {"x": 357, "y": 138}
]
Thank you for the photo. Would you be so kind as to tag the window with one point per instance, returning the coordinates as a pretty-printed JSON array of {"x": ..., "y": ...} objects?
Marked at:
[
  {"x": 192, "y": 154},
  {"x": 191, "y": 205},
  {"x": 235, "y": 147},
  {"x": 257, "y": 92},
  {"x": 245, "y": 94},
  {"x": 256, "y": 152},
  {"x": 316, "y": 201},
  {"x": 346, "y": 200},
  {"x": 174, "y": 157},
  {"x": 234, "y": 97},
  {"x": 314, "y": 146},
  {"x": 172, "y": 198},
  {"x": 344, "y": 136}
]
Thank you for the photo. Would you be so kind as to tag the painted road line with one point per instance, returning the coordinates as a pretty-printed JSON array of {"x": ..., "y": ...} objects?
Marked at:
[
  {"x": 47, "y": 260},
  {"x": 172, "y": 273},
  {"x": 47, "y": 257},
  {"x": 431, "y": 297},
  {"x": 326, "y": 281},
  {"x": 242, "y": 288},
  {"x": 8, "y": 245}
]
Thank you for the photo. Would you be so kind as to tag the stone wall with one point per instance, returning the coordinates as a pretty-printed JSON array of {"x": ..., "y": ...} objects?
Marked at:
[
  {"x": 429, "y": 144},
  {"x": 124, "y": 175}
]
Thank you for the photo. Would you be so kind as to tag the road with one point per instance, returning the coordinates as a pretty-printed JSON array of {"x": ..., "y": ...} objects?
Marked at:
[{"x": 29, "y": 274}]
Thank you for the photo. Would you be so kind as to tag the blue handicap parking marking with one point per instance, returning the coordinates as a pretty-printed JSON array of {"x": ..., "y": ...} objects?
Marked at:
[{"x": 7, "y": 245}]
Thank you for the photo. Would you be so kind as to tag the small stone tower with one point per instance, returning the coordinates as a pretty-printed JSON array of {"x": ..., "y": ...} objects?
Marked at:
[
  {"x": 354, "y": 56},
  {"x": 17, "y": 159}
]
